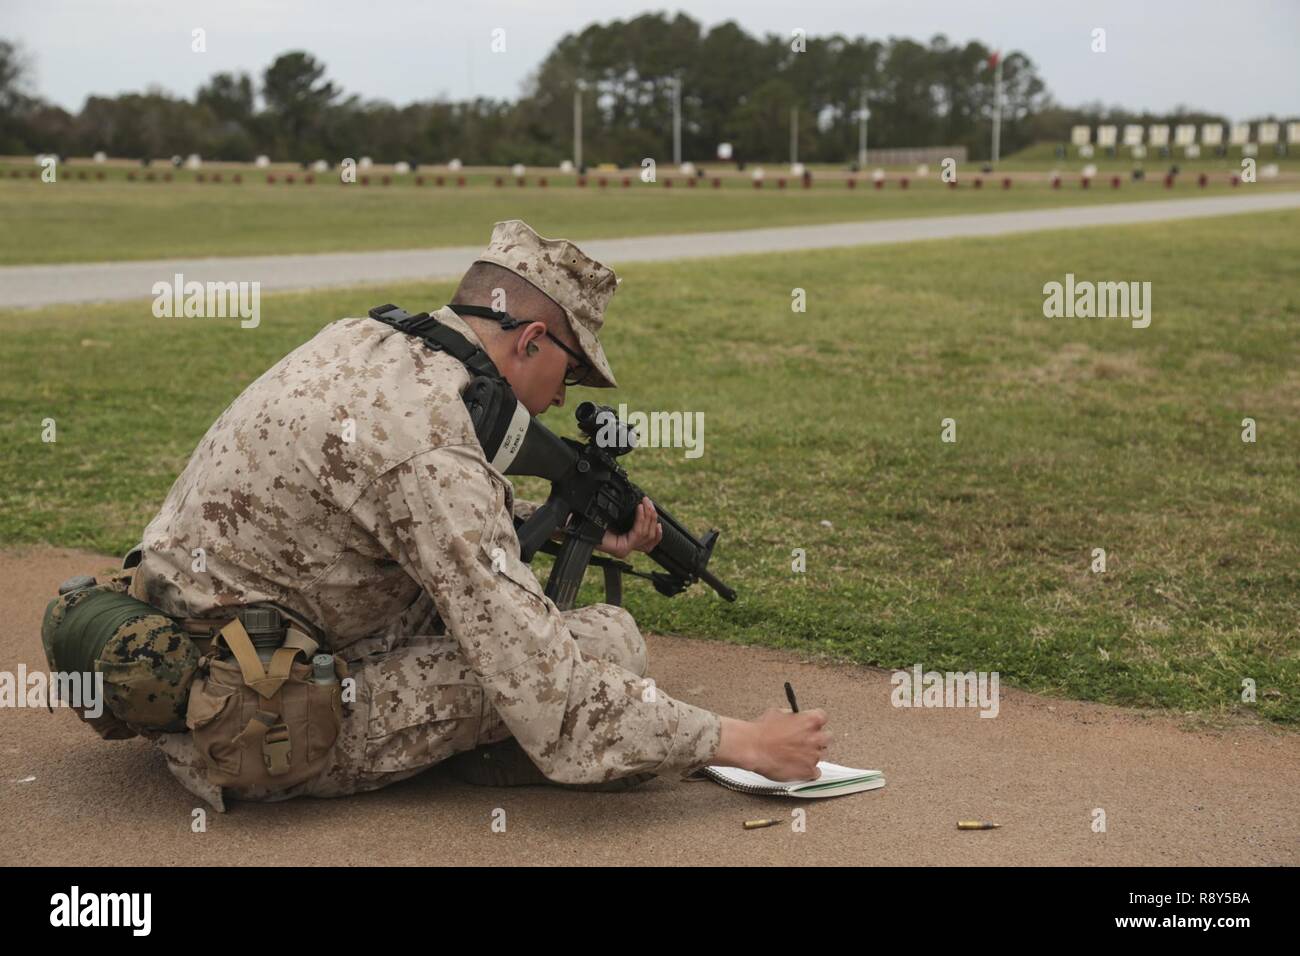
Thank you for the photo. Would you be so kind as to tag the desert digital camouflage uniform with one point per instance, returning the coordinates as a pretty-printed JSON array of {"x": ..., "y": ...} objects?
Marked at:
[{"x": 386, "y": 543}]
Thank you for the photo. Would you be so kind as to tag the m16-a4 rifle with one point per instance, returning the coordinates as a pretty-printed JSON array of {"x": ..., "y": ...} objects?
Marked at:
[{"x": 590, "y": 493}]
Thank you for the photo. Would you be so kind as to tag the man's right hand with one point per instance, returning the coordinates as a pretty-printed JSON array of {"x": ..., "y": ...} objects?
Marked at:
[{"x": 779, "y": 745}]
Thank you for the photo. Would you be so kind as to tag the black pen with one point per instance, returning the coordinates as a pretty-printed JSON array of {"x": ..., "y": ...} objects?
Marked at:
[{"x": 789, "y": 695}]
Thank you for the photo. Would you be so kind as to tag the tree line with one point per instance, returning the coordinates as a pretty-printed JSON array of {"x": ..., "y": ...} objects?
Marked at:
[{"x": 735, "y": 88}]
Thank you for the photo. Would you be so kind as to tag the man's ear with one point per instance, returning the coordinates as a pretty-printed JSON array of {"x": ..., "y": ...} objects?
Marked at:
[{"x": 527, "y": 342}]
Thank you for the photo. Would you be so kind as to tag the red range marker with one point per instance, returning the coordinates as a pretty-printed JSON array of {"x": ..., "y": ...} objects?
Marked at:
[
  {"x": 1056, "y": 182},
  {"x": 627, "y": 181},
  {"x": 1115, "y": 182},
  {"x": 879, "y": 184},
  {"x": 717, "y": 183},
  {"x": 1006, "y": 182},
  {"x": 541, "y": 182},
  {"x": 780, "y": 184},
  {"x": 691, "y": 182},
  {"x": 1202, "y": 180},
  {"x": 851, "y": 183},
  {"x": 1085, "y": 182},
  {"x": 902, "y": 183}
]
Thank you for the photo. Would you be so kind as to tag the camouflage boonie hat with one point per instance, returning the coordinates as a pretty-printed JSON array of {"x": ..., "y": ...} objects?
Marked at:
[{"x": 578, "y": 284}]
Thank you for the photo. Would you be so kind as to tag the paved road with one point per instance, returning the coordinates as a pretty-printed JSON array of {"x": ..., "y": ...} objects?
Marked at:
[
  {"x": 1041, "y": 768},
  {"x": 24, "y": 286}
]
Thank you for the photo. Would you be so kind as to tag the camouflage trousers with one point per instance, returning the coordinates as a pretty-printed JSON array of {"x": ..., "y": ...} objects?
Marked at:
[{"x": 416, "y": 703}]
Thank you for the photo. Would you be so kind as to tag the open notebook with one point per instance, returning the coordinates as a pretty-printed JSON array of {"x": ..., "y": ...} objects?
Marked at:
[{"x": 835, "y": 781}]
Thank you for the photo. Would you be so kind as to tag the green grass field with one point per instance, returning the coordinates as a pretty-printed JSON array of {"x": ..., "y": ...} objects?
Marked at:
[
  {"x": 1072, "y": 434},
  {"x": 91, "y": 221}
]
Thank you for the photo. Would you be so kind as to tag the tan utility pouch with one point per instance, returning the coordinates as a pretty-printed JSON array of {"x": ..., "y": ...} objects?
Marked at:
[{"x": 264, "y": 726}]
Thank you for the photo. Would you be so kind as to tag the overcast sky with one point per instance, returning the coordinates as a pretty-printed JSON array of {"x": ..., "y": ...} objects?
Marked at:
[{"x": 1238, "y": 58}]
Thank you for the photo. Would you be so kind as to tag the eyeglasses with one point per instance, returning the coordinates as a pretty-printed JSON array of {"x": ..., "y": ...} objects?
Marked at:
[{"x": 573, "y": 374}]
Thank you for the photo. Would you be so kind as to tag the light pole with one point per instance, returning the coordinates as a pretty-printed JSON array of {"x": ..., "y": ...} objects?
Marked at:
[
  {"x": 863, "y": 113},
  {"x": 676, "y": 81},
  {"x": 997, "y": 104},
  {"x": 577, "y": 124}
]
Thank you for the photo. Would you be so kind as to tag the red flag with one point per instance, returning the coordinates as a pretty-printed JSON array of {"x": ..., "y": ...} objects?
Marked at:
[{"x": 993, "y": 60}]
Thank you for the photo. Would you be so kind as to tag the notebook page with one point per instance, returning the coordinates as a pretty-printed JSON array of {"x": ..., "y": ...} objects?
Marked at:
[{"x": 831, "y": 773}]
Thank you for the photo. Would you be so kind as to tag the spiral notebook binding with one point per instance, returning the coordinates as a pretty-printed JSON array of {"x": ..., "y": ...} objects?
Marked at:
[{"x": 746, "y": 787}]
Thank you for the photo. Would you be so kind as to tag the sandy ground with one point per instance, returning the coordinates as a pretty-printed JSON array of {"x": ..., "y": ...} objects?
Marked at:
[
  {"x": 1171, "y": 795},
  {"x": 26, "y": 286}
]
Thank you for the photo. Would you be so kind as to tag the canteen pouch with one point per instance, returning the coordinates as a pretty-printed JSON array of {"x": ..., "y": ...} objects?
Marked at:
[
  {"x": 145, "y": 661},
  {"x": 259, "y": 724}
]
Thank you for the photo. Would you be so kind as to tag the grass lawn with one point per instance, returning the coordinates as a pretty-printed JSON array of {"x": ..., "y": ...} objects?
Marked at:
[
  {"x": 74, "y": 221},
  {"x": 1072, "y": 434}
]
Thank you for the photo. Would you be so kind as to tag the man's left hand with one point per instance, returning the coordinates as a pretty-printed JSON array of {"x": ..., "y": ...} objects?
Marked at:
[{"x": 645, "y": 534}]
